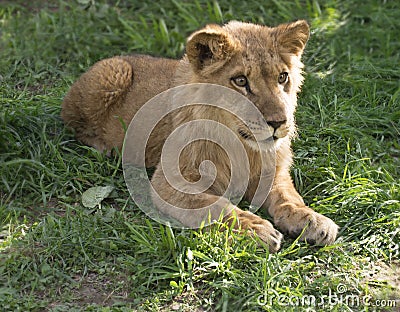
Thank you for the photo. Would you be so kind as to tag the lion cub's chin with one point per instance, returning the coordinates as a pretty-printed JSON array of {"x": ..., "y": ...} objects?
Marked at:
[{"x": 263, "y": 145}]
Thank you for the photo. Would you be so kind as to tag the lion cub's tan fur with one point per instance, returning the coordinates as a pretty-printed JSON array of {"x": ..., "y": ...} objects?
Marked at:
[{"x": 113, "y": 90}]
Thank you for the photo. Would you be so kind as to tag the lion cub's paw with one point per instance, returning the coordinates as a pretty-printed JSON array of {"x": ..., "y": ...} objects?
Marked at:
[
  {"x": 262, "y": 228},
  {"x": 319, "y": 230}
]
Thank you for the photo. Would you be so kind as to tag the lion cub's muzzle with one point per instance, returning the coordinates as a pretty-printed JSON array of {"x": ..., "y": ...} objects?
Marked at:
[
  {"x": 267, "y": 131},
  {"x": 280, "y": 128}
]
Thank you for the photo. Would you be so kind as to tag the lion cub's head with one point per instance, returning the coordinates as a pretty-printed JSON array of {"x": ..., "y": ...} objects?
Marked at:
[{"x": 260, "y": 62}]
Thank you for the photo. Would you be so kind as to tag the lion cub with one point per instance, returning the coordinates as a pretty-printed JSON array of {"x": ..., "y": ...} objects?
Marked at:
[{"x": 261, "y": 63}]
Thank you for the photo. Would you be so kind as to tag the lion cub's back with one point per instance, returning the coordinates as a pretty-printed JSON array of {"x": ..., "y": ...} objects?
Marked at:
[
  {"x": 113, "y": 90},
  {"x": 151, "y": 76}
]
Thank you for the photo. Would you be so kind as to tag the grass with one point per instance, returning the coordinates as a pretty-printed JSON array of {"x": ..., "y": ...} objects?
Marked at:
[{"x": 57, "y": 255}]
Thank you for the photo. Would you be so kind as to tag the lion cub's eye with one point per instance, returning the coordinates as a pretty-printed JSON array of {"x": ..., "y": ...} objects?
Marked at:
[
  {"x": 240, "y": 81},
  {"x": 283, "y": 77}
]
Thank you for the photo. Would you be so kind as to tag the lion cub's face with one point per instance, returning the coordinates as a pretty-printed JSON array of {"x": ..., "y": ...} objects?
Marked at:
[{"x": 260, "y": 62}]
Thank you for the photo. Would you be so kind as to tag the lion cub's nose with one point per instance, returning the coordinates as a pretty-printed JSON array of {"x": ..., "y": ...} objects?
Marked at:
[{"x": 276, "y": 124}]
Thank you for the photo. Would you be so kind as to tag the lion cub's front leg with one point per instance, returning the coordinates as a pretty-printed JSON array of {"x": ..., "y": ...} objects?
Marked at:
[
  {"x": 191, "y": 216},
  {"x": 255, "y": 225},
  {"x": 292, "y": 216}
]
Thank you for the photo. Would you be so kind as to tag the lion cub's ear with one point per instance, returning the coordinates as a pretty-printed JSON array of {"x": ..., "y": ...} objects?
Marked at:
[
  {"x": 209, "y": 45},
  {"x": 292, "y": 37}
]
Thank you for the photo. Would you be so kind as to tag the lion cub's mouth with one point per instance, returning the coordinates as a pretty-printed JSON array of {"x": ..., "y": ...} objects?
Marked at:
[
  {"x": 261, "y": 137},
  {"x": 257, "y": 136}
]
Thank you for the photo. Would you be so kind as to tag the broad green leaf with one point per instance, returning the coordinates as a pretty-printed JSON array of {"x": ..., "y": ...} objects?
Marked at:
[{"x": 95, "y": 195}]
